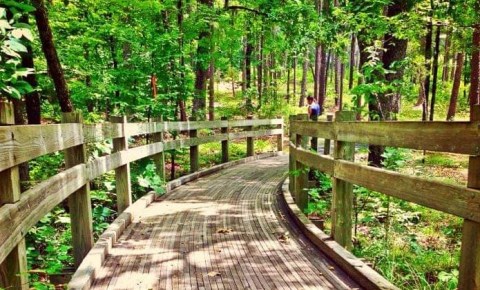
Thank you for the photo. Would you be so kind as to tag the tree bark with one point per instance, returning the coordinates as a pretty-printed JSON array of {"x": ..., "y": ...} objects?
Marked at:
[
  {"x": 428, "y": 67},
  {"x": 435, "y": 72},
  {"x": 352, "y": 62},
  {"x": 303, "y": 93},
  {"x": 180, "y": 99},
  {"x": 474, "y": 93},
  {"x": 452, "y": 108},
  {"x": 260, "y": 70},
  {"x": 211, "y": 92},
  {"x": 446, "y": 57},
  {"x": 53, "y": 62},
  {"x": 248, "y": 73},
  {"x": 201, "y": 69}
]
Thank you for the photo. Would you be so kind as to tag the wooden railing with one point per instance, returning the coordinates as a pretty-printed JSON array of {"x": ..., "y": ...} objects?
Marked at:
[
  {"x": 453, "y": 137},
  {"x": 18, "y": 144}
]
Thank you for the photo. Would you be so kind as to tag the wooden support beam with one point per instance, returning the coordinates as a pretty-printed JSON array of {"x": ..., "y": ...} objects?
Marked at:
[
  {"x": 280, "y": 139},
  {"x": 194, "y": 166},
  {"x": 343, "y": 191},
  {"x": 79, "y": 202},
  {"x": 326, "y": 146},
  {"x": 13, "y": 270},
  {"x": 291, "y": 158},
  {"x": 123, "y": 184},
  {"x": 301, "y": 178},
  {"x": 250, "y": 146},
  {"x": 159, "y": 159},
  {"x": 225, "y": 143},
  {"x": 469, "y": 277}
]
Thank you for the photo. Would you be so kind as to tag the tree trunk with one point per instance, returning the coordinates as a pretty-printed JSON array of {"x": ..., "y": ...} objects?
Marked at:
[
  {"x": 248, "y": 73},
  {"x": 387, "y": 106},
  {"x": 180, "y": 99},
  {"x": 435, "y": 72},
  {"x": 294, "y": 76},
  {"x": 352, "y": 62},
  {"x": 303, "y": 93},
  {"x": 456, "y": 86},
  {"x": 322, "y": 79},
  {"x": 211, "y": 92},
  {"x": 288, "y": 80},
  {"x": 53, "y": 63},
  {"x": 201, "y": 69},
  {"x": 318, "y": 58},
  {"x": 446, "y": 58},
  {"x": 474, "y": 93},
  {"x": 260, "y": 71},
  {"x": 428, "y": 67}
]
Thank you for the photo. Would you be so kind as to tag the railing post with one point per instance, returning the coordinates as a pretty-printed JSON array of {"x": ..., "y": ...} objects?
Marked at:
[
  {"x": 250, "y": 149},
  {"x": 326, "y": 147},
  {"x": 469, "y": 277},
  {"x": 122, "y": 174},
  {"x": 13, "y": 270},
  {"x": 342, "y": 190},
  {"x": 301, "y": 179},
  {"x": 159, "y": 159},
  {"x": 193, "y": 150},
  {"x": 225, "y": 144},
  {"x": 291, "y": 160},
  {"x": 79, "y": 202},
  {"x": 280, "y": 138}
]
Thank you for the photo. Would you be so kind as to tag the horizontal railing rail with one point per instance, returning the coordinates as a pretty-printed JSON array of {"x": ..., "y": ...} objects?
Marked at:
[
  {"x": 452, "y": 137},
  {"x": 19, "y": 144}
]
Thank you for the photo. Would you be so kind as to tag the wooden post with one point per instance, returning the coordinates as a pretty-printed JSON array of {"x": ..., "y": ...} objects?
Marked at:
[
  {"x": 342, "y": 190},
  {"x": 326, "y": 147},
  {"x": 301, "y": 180},
  {"x": 469, "y": 277},
  {"x": 79, "y": 202},
  {"x": 280, "y": 139},
  {"x": 193, "y": 150},
  {"x": 159, "y": 159},
  {"x": 250, "y": 148},
  {"x": 13, "y": 270},
  {"x": 291, "y": 160},
  {"x": 122, "y": 173},
  {"x": 225, "y": 144}
]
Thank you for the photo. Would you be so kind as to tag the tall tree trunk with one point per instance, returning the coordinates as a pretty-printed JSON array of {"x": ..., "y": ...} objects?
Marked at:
[
  {"x": 288, "y": 80},
  {"x": 474, "y": 94},
  {"x": 248, "y": 72},
  {"x": 260, "y": 70},
  {"x": 318, "y": 60},
  {"x": 303, "y": 93},
  {"x": 201, "y": 69},
  {"x": 340, "y": 89},
  {"x": 322, "y": 79},
  {"x": 435, "y": 72},
  {"x": 395, "y": 50},
  {"x": 295, "y": 58},
  {"x": 337, "y": 80},
  {"x": 53, "y": 62},
  {"x": 452, "y": 108},
  {"x": 446, "y": 57},
  {"x": 181, "y": 99},
  {"x": 352, "y": 62},
  {"x": 428, "y": 67},
  {"x": 211, "y": 92}
]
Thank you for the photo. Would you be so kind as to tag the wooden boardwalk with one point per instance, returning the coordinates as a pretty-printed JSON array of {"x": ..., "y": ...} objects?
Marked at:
[{"x": 224, "y": 231}]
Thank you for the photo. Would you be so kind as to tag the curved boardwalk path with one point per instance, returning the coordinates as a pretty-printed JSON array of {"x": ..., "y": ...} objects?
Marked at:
[{"x": 224, "y": 231}]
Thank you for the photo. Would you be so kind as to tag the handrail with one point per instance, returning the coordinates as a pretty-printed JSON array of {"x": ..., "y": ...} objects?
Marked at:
[
  {"x": 454, "y": 137},
  {"x": 20, "y": 144}
]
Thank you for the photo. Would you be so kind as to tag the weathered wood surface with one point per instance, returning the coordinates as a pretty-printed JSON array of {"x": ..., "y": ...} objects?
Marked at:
[
  {"x": 123, "y": 184},
  {"x": 436, "y": 136},
  {"x": 310, "y": 159},
  {"x": 221, "y": 232},
  {"x": 19, "y": 144}
]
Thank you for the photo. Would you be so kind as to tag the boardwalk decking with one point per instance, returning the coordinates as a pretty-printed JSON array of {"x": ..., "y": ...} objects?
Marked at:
[{"x": 224, "y": 231}]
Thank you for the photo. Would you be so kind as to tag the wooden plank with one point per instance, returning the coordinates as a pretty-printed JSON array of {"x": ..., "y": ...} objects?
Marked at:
[
  {"x": 258, "y": 122},
  {"x": 13, "y": 271},
  {"x": 101, "y": 132},
  {"x": 79, "y": 202},
  {"x": 159, "y": 159},
  {"x": 194, "y": 162},
  {"x": 453, "y": 199},
  {"x": 280, "y": 138},
  {"x": 342, "y": 200},
  {"x": 312, "y": 160},
  {"x": 469, "y": 277},
  {"x": 135, "y": 129},
  {"x": 320, "y": 129},
  {"x": 326, "y": 146},
  {"x": 291, "y": 157},
  {"x": 122, "y": 173},
  {"x": 256, "y": 133},
  {"x": 225, "y": 143},
  {"x": 19, "y": 144},
  {"x": 250, "y": 144},
  {"x": 194, "y": 125},
  {"x": 436, "y": 136},
  {"x": 17, "y": 219}
]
